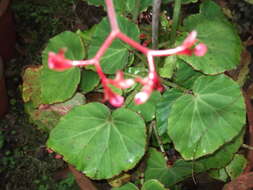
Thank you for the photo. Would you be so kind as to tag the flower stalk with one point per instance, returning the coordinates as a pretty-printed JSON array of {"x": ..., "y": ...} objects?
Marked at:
[{"x": 150, "y": 83}]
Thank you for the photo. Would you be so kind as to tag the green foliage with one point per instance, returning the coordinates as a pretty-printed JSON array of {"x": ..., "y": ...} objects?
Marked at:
[
  {"x": 64, "y": 83},
  {"x": 89, "y": 80},
  {"x": 128, "y": 186},
  {"x": 169, "y": 175},
  {"x": 119, "y": 135},
  {"x": 201, "y": 116},
  {"x": 221, "y": 38},
  {"x": 214, "y": 110}
]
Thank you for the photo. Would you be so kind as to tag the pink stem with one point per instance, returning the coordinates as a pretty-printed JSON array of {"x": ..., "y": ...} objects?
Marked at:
[
  {"x": 105, "y": 45},
  {"x": 132, "y": 43},
  {"x": 112, "y": 15},
  {"x": 167, "y": 52}
]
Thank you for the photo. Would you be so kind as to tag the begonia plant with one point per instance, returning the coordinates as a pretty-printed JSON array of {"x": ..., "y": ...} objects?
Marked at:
[{"x": 173, "y": 98}]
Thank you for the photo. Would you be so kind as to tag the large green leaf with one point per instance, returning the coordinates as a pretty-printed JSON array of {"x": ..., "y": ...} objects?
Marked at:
[
  {"x": 99, "y": 143},
  {"x": 214, "y": 110},
  {"x": 220, "y": 36},
  {"x": 128, "y": 186},
  {"x": 117, "y": 55},
  {"x": 163, "y": 109},
  {"x": 60, "y": 86}
]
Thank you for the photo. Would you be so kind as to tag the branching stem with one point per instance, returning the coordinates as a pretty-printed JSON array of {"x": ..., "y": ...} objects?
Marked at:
[{"x": 149, "y": 83}]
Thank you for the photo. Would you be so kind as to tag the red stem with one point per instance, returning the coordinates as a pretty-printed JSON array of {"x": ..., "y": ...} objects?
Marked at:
[
  {"x": 105, "y": 45},
  {"x": 132, "y": 43},
  {"x": 112, "y": 15}
]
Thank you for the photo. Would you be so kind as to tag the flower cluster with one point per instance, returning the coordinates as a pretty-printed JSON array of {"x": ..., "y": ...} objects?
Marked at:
[{"x": 58, "y": 62}]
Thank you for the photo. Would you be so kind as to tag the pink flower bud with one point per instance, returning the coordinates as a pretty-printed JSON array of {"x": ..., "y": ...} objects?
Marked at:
[
  {"x": 120, "y": 82},
  {"x": 116, "y": 100},
  {"x": 141, "y": 97},
  {"x": 200, "y": 49},
  {"x": 126, "y": 83},
  {"x": 58, "y": 62}
]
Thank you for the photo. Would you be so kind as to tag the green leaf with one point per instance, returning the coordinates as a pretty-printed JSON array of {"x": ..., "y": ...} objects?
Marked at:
[
  {"x": 220, "y": 36},
  {"x": 89, "y": 80},
  {"x": 157, "y": 169},
  {"x": 233, "y": 169},
  {"x": 236, "y": 166},
  {"x": 215, "y": 110},
  {"x": 185, "y": 75},
  {"x": 99, "y": 143},
  {"x": 128, "y": 186},
  {"x": 117, "y": 55},
  {"x": 60, "y": 86},
  {"x": 152, "y": 185},
  {"x": 31, "y": 90},
  {"x": 219, "y": 174},
  {"x": 168, "y": 68},
  {"x": 163, "y": 109},
  {"x": 148, "y": 109},
  {"x": 223, "y": 155}
]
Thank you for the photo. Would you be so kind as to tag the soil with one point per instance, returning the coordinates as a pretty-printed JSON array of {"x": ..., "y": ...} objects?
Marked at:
[{"x": 24, "y": 162}]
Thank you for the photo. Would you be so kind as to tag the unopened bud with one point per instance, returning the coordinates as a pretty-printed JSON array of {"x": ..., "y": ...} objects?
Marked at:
[
  {"x": 141, "y": 97},
  {"x": 200, "y": 49}
]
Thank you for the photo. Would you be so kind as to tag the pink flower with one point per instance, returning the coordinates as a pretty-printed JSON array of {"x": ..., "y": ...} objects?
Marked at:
[
  {"x": 114, "y": 99},
  {"x": 190, "y": 40},
  {"x": 200, "y": 49},
  {"x": 150, "y": 84},
  {"x": 58, "y": 62},
  {"x": 120, "y": 82}
]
